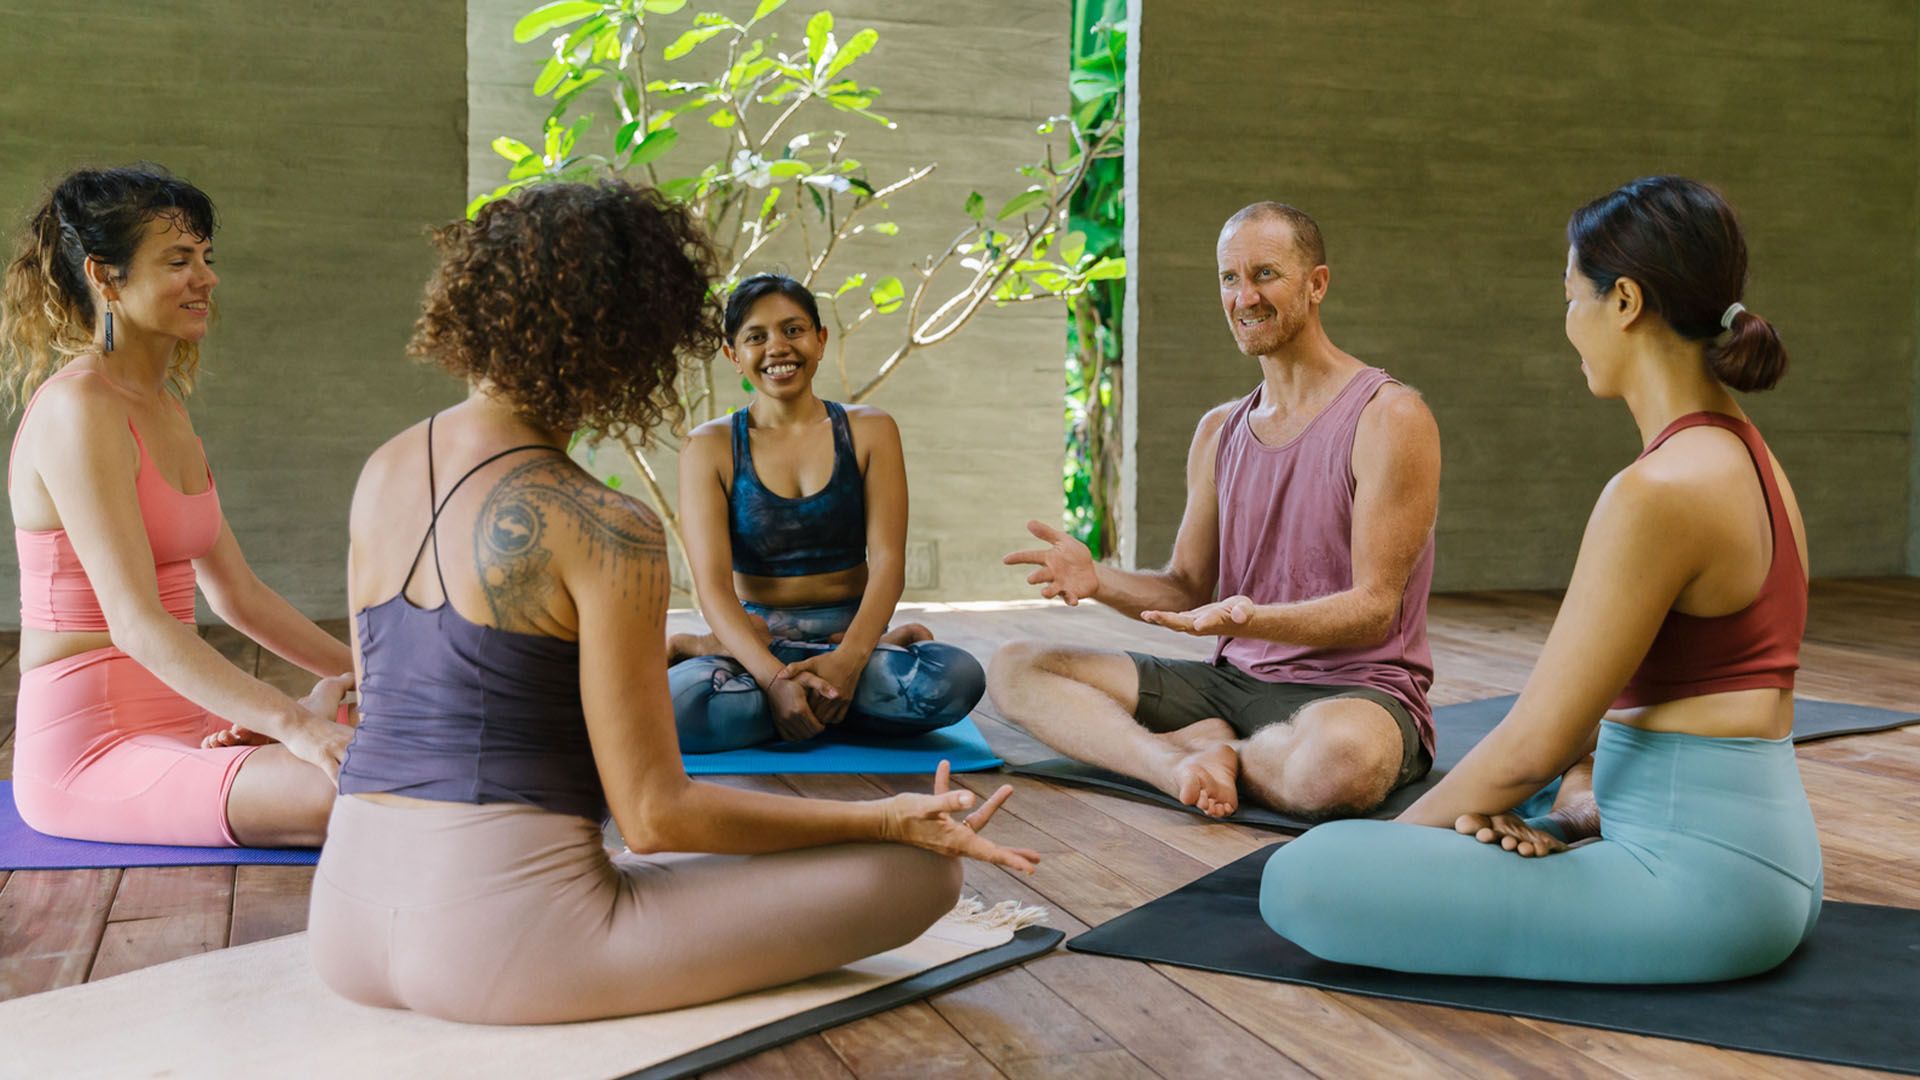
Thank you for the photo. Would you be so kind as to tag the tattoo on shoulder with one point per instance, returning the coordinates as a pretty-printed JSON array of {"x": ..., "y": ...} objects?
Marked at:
[{"x": 548, "y": 501}]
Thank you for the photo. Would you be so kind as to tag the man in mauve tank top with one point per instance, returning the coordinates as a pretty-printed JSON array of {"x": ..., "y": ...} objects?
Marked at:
[{"x": 1306, "y": 549}]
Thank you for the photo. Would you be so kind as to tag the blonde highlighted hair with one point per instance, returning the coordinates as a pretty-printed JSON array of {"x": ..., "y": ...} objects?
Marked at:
[{"x": 47, "y": 309}]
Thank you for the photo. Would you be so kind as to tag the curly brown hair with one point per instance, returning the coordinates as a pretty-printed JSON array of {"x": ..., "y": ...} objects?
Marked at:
[{"x": 577, "y": 302}]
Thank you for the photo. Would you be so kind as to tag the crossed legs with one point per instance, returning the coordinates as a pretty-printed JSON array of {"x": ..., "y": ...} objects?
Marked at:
[
  {"x": 278, "y": 800},
  {"x": 107, "y": 752},
  {"x": 911, "y": 685},
  {"x": 1333, "y": 756}
]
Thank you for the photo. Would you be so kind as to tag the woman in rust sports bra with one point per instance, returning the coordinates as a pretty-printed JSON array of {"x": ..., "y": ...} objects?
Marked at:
[
  {"x": 130, "y": 727},
  {"x": 1682, "y": 624}
]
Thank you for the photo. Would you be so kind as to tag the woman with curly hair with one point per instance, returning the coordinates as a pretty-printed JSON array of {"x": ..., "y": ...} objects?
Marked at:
[
  {"x": 796, "y": 519},
  {"x": 130, "y": 728},
  {"x": 514, "y": 677}
]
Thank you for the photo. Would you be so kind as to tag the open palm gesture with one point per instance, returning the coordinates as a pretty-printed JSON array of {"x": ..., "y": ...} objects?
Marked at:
[
  {"x": 927, "y": 821},
  {"x": 1222, "y": 617},
  {"x": 1065, "y": 566}
]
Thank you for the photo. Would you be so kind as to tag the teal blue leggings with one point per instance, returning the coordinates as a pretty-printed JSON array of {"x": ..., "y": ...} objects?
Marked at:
[{"x": 1708, "y": 869}]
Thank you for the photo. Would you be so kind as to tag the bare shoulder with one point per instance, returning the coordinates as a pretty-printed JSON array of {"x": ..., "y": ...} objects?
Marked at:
[
  {"x": 547, "y": 523},
  {"x": 718, "y": 429},
  {"x": 399, "y": 460},
  {"x": 872, "y": 428},
  {"x": 79, "y": 406},
  {"x": 1651, "y": 495},
  {"x": 79, "y": 427},
  {"x": 388, "y": 456},
  {"x": 709, "y": 442},
  {"x": 1397, "y": 440},
  {"x": 1213, "y": 421},
  {"x": 550, "y": 491},
  {"x": 868, "y": 416},
  {"x": 1697, "y": 471},
  {"x": 1397, "y": 407},
  {"x": 1206, "y": 441},
  {"x": 1702, "y": 453},
  {"x": 1206, "y": 434}
]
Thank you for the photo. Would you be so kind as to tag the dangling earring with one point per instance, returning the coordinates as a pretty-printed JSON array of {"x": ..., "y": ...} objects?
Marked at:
[{"x": 109, "y": 329}]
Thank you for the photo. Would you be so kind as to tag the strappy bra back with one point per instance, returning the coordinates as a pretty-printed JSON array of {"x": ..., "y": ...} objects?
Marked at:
[
  {"x": 774, "y": 536},
  {"x": 1757, "y": 647},
  {"x": 55, "y": 592},
  {"x": 454, "y": 711}
]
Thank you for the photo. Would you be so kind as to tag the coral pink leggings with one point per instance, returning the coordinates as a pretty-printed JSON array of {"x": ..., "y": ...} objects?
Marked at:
[{"x": 106, "y": 751}]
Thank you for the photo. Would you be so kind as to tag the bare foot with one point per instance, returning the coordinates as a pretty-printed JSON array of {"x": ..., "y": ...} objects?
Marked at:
[
  {"x": 1199, "y": 735},
  {"x": 1207, "y": 774},
  {"x": 687, "y": 646},
  {"x": 1574, "y": 806},
  {"x": 1576, "y": 783},
  {"x": 1208, "y": 780},
  {"x": 906, "y": 634}
]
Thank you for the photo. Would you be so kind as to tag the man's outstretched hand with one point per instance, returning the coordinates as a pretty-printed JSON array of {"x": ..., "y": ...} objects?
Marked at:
[
  {"x": 1065, "y": 565},
  {"x": 1222, "y": 617}
]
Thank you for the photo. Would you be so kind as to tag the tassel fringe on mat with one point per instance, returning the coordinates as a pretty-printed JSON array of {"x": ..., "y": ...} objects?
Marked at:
[{"x": 1005, "y": 915}]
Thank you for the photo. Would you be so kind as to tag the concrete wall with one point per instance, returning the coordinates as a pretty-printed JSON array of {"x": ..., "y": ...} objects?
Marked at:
[
  {"x": 966, "y": 82},
  {"x": 1442, "y": 147},
  {"x": 329, "y": 136},
  {"x": 1913, "y": 442}
]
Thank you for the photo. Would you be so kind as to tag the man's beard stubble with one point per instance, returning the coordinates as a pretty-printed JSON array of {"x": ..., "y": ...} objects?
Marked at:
[{"x": 1277, "y": 335}]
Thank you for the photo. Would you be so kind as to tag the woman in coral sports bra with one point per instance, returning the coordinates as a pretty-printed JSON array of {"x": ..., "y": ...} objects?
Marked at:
[
  {"x": 130, "y": 728},
  {"x": 1692, "y": 855}
]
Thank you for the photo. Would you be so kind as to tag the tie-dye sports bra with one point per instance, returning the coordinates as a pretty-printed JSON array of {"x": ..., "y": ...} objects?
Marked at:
[{"x": 774, "y": 536}]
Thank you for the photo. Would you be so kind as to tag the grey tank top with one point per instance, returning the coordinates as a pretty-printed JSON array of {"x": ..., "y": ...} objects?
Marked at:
[{"x": 454, "y": 711}]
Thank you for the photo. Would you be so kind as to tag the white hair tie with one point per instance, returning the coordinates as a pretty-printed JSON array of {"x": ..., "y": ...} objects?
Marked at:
[{"x": 1735, "y": 308}]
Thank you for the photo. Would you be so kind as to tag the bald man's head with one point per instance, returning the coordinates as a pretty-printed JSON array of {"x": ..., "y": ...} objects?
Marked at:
[{"x": 1306, "y": 231}]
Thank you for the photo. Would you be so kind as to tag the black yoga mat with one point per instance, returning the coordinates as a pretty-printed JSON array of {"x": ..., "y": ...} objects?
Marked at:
[
  {"x": 1458, "y": 728},
  {"x": 1849, "y": 996},
  {"x": 1026, "y": 944}
]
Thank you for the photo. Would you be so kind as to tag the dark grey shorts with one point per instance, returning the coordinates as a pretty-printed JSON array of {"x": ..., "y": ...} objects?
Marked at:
[{"x": 1175, "y": 693}]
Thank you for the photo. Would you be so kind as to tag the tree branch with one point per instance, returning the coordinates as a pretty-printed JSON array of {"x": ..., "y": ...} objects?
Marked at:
[{"x": 662, "y": 507}]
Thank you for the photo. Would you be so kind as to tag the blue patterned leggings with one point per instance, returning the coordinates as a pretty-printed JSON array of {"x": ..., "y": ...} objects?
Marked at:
[{"x": 906, "y": 690}]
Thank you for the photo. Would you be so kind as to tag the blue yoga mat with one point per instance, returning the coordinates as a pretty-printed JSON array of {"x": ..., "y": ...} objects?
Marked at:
[
  {"x": 962, "y": 744},
  {"x": 23, "y": 849}
]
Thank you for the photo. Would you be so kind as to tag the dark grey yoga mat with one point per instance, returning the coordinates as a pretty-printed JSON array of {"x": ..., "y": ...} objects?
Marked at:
[
  {"x": 1026, "y": 944},
  {"x": 1849, "y": 996},
  {"x": 1458, "y": 727}
]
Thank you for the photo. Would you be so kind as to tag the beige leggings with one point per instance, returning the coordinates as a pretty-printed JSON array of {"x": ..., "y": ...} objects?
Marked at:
[{"x": 506, "y": 914}]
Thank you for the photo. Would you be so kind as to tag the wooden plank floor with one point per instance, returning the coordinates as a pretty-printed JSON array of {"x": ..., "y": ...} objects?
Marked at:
[{"x": 1069, "y": 1015}]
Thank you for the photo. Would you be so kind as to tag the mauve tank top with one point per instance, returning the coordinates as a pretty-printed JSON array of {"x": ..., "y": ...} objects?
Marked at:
[
  {"x": 1286, "y": 535},
  {"x": 454, "y": 711},
  {"x": 1753, "y": 648}
]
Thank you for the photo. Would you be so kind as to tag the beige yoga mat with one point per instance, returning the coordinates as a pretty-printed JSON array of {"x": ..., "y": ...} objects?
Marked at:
[{"x": 259, "y": 1010}]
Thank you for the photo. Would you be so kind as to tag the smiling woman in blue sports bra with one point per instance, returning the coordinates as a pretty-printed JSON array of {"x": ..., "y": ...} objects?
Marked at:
[{"x": 796, "y": 524}]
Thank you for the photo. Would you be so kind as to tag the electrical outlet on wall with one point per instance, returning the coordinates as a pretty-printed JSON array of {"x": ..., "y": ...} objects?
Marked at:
[{"x": 923, "y": 564}]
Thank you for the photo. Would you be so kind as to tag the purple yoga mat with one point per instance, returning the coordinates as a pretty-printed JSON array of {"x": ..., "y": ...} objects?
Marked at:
[{"x": 21, "y": 848}]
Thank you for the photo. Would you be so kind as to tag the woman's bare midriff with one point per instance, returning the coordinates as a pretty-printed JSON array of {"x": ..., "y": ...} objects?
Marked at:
[
  {"x": 808, "y": 590},
  {"x": 39, "y": 648},
  {"x": 1753, "y": 714}
]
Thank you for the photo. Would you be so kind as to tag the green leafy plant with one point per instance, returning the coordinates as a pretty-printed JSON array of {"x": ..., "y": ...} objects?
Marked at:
[
  {"x": 1097, "y": 211},
  {"x": 782, "y": 166}
]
